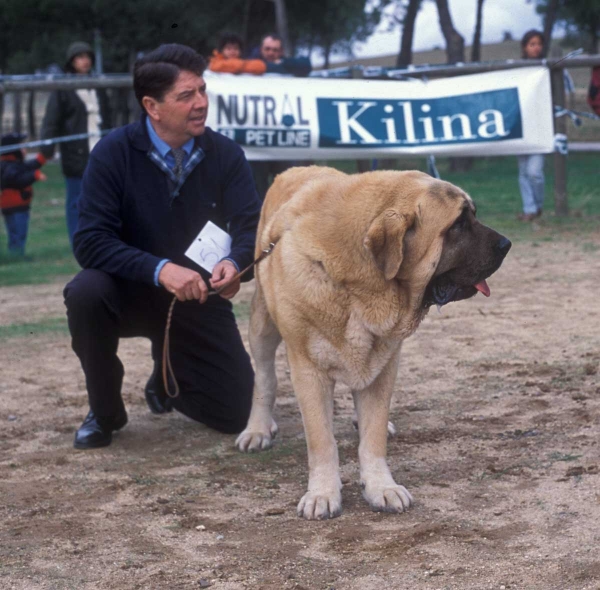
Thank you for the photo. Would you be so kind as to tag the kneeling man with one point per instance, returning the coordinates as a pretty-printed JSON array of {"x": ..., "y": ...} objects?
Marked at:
[{"x": 148, "y": 190}]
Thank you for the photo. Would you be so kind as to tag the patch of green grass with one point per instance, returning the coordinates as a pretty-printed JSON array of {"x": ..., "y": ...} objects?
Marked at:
[
  {"x": 564, "y": 457},
  {"x": 590, "y": 247},
  {"x": 56, "y": 324},
  {"x": 143, "y": 480},
  {"x": 241, "y": 310}
]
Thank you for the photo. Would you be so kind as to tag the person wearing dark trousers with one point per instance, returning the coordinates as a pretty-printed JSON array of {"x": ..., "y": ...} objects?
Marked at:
[
  {"x": 73, "y": 112},
  {"x": 148, "y": 190},
  {"x": 16, "y": 177}
]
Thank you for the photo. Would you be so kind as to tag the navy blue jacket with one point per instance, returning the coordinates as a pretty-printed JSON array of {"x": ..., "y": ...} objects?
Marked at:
[{"x": 130, "y": 218}]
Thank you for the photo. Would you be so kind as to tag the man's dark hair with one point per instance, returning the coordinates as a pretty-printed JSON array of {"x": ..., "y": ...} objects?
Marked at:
[
  {"x": 273, "y": 36},
  {"x": 229, "y": 38},
  {"x": 155, "y": 73},
  {"x": 528, "y": 36}
]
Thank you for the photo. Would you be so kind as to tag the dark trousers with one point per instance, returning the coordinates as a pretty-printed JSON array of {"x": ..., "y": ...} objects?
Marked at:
[{"x": 210, "y": 362}]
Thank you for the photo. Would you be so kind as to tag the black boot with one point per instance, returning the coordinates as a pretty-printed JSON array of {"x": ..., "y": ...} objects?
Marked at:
[
  {"x": 96, "y": 431},
  {"x": 156, "y": 397}
]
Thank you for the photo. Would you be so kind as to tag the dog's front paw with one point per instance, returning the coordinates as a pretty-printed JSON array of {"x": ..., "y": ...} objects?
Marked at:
[
  {"x": 256, "y": 439},
  {"x": 391, "y": 498},
  {"x": 320, "y": 505}
]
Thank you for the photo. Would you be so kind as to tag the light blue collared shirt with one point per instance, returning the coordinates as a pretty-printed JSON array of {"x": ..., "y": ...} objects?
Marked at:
[{"x": 164, "y": 149}]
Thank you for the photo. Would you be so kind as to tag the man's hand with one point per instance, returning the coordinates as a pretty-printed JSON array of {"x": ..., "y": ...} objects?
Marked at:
[
  {"x": 222, "y": 273},
  {"x": 184, "y": 283}
]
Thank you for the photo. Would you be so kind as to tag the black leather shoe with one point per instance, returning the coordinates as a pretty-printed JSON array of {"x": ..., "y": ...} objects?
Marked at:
[
  {"x": 96, "y": 431},
  {"x": 156, "y": 397}
]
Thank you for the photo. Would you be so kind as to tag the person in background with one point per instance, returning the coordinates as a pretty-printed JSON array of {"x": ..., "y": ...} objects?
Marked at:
[
  {"x": 271, "y": 52},
  {"x": 227, "y": 58},
  {"x": 531, "y": 167},
  {"x": 16, "y": 177},
  {"x": 73, "y": 112}
]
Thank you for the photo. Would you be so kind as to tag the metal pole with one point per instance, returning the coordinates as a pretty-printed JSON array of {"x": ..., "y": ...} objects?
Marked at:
[
  {"x": 282, "y": 25},
  {"x": 98, "y": 51},
  {"x": 1, "y": 110},
  {"x": 17, "y": 103},
  {"x": 561, "y": 203}
]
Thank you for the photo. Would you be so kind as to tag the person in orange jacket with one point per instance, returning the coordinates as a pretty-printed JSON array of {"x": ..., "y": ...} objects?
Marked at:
[
  {"x": 226, "y": 59},
  {"x": 16, "y": 177}
]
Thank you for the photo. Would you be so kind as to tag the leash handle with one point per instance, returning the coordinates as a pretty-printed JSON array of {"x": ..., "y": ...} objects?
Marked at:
[{"x": 167, "y": 368}]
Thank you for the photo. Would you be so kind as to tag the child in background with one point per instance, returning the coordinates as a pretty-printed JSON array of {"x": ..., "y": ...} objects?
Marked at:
[
  {"x": 226, "y": 58},
  {"x": 16, "y": 177}
]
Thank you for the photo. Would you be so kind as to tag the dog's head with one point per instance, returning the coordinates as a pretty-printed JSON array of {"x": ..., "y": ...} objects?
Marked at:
[{"x": 431, "y": 238}]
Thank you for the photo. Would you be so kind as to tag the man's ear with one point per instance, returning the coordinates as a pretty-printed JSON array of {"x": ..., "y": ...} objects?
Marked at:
[
  {"x": 385, "y": 241},
  {"x": 150, "y": 104}
]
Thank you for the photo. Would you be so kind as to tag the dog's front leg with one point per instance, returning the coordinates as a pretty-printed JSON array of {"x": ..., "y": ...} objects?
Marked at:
[
  {"x": 372, "y": 406},
  {"x": 314, "y": 391}
]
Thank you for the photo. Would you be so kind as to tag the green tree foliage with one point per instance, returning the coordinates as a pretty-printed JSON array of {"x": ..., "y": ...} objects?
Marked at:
[
  {"x": 332, "y": 25},
  {"x": 36, "y": 33},
  {"x": 579, "y": 16}
]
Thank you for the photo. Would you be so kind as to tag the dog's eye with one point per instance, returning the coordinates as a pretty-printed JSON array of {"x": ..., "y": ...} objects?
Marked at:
[{"x": 461, "y": 222}]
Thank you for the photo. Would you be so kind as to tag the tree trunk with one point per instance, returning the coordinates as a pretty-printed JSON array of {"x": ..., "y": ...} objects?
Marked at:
[
  {"x": 476, "y": 48},
  {"x": 455, "y": 50},
  {"x": 327, "y": 53},
  {"x": 455, "y": 44},
  {"x": 408, "y": 29},
  {"x": 549, "y": 20},
  {"x": 245, "y": 21},
  {"x": 282, "y": 25}
]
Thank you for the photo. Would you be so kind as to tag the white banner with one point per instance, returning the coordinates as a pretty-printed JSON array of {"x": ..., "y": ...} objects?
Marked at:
[{"x": 274, "y": 118}]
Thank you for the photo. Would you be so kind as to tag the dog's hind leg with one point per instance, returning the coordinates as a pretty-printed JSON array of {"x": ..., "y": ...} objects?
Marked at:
[
  {"x": 264, "y": 340},
  {"x": 373, "y": 405}
]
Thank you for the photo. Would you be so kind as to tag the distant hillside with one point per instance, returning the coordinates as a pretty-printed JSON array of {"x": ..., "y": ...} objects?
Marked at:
[{"x": 490, "y": 52}]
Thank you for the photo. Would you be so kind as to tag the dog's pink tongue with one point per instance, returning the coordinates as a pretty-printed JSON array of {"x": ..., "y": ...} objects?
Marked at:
[{"x": 483, "y": 288}]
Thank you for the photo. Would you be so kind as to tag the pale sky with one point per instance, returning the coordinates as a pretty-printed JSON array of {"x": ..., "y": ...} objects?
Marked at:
[{"x": 516, "y": 16}]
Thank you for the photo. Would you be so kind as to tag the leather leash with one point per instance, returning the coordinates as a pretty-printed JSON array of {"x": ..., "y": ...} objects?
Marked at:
[{"x": 167, "y": 368}]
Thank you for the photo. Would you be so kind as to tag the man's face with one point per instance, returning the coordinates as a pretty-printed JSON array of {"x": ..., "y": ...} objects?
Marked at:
[
  {"x": 271, "y": 49},
  {"x": 82, "y": 63},
  {"x": 182, "y": 112}
]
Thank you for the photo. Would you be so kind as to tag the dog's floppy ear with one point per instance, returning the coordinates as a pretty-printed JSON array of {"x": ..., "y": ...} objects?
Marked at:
[{"x": 385, "y": 241}]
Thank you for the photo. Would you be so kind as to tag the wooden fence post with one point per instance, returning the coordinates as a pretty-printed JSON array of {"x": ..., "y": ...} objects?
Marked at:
[{"x": 561, "y": 201}]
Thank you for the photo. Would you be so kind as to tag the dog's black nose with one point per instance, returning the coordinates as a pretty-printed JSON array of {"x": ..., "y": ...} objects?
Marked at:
[{"x": 503, "y": 245}]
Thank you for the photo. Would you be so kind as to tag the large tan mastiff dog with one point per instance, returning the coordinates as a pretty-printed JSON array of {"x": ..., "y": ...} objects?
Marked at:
[{"x": 358, "y": 261}]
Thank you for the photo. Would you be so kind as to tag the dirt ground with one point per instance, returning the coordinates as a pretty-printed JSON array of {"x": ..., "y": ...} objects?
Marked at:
[{"x": 498, "y": 416}]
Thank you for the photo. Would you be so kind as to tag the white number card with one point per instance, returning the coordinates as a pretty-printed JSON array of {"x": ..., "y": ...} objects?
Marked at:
[{"x": 211, "y": 245}]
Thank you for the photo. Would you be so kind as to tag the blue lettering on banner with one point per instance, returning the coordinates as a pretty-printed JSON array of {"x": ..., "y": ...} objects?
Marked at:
[
  {"x": 484, "y": 116},
  {"x": 257, "y": 137}
]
